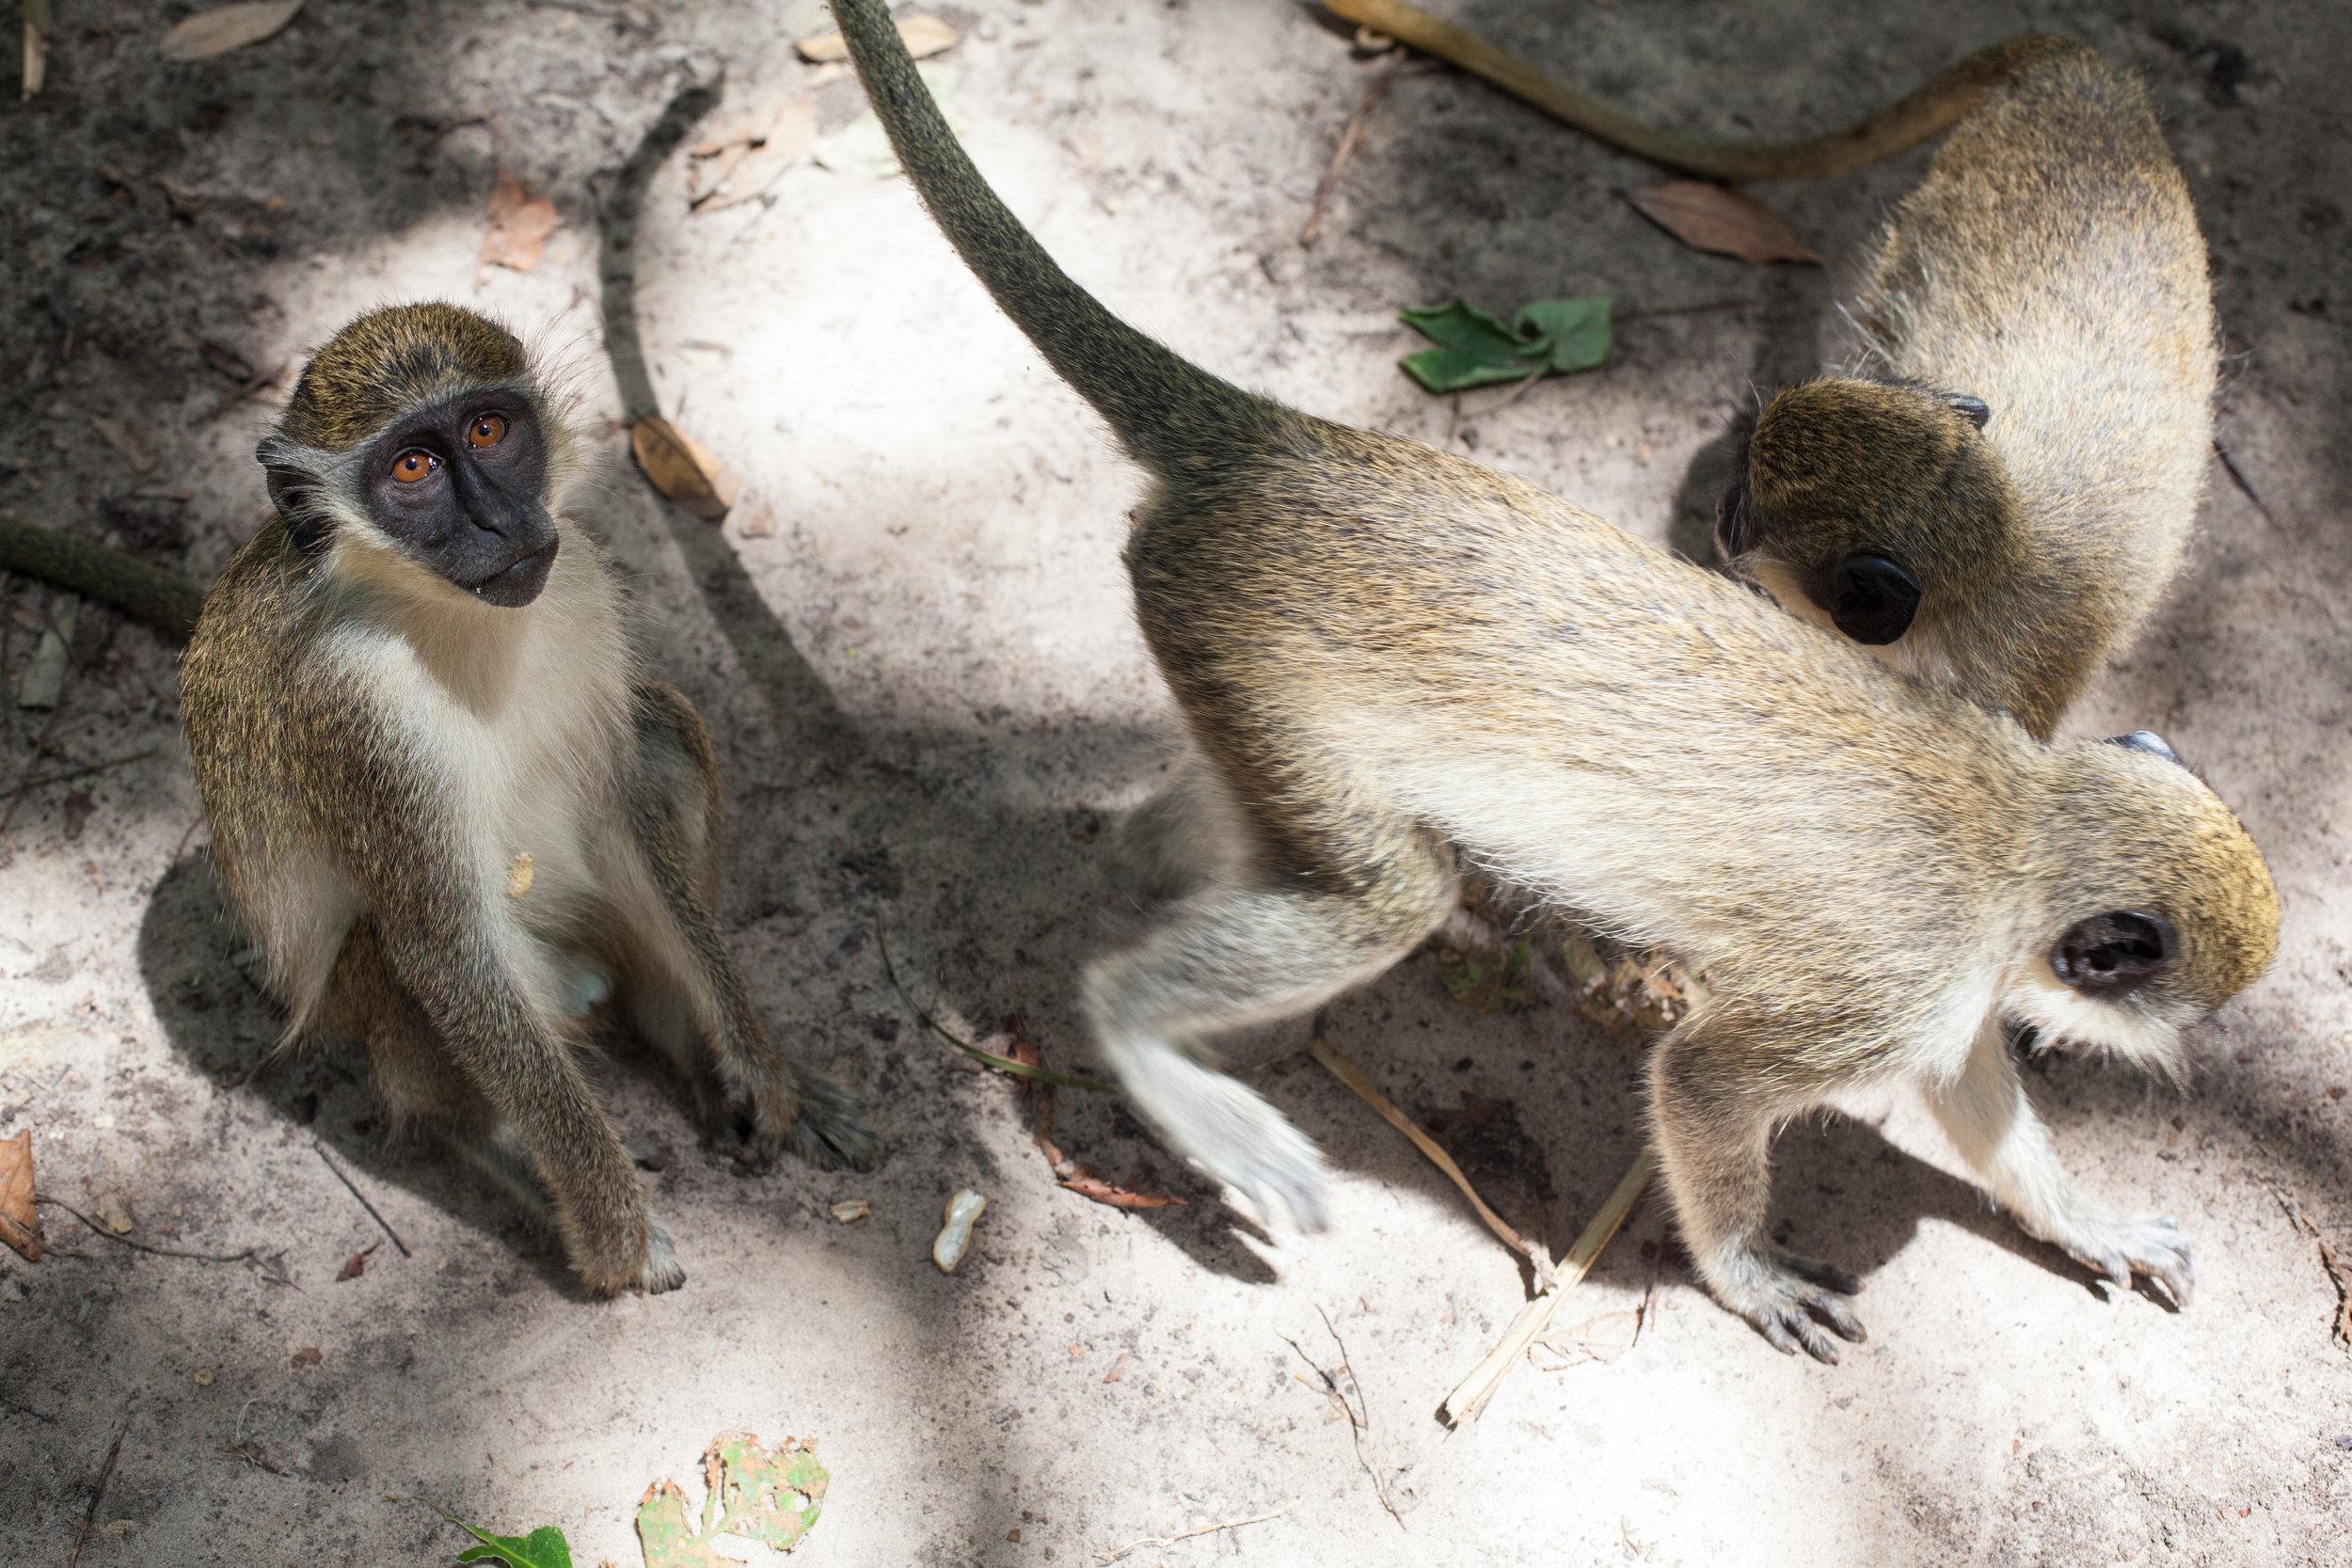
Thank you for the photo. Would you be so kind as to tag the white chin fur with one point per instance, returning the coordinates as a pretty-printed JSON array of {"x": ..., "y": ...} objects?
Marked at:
[{"x": 2137, "y": 1028}]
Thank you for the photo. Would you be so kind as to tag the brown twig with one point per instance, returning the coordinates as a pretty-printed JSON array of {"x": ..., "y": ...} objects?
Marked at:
[
  {"x": 1350, "y": 139},
  {"x": 1002, "y": 1064},
  {"x": 259, "y": 380},
  {"x": 1471, "y": 1395},
  {"x": 1188, "y": 1534},
  {"x": 99, "y": 1493},
  {"x": 1353, "y": 1076},
  {"x": 362, "y": 1197},
  {"x": 1359, "y": 1425},
  {"x": 250, "y": 1255},
  {"x": 82, "y": 772}
]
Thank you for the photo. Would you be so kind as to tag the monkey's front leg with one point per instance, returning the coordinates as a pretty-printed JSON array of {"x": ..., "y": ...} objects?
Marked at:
[
  {"x": 467, "y": 974},
  {"x": 1714, "y": 1132},
  {"x": 1986, "y": 1114}
]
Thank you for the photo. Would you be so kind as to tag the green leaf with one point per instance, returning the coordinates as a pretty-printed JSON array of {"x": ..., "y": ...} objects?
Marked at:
[
  {"x": 544, "y": 1548},
  {"x": 1549, "y": 335},
  {"x": 1578, "y": 330}
]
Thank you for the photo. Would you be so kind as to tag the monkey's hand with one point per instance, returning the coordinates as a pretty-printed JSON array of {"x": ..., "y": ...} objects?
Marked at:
[
  {"x": 832, "y": 1130},
  {"x": 2114, "y": 1246},
  {"x": 1784, "y": 1294}
]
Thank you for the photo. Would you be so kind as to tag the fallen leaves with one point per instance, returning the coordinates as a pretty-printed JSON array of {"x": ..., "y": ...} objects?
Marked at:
[
  {"x": 770, "y": 1496},
  {"x": 225, "y": 27},
  {"x": 20, "y": 1224},
  {"x": 114, "y": 1211},
  {"x": 683, "y": 469},
  {"x": 1548, "y": 337},
  {"x": 1716, "y": 218},
  {"x": 923, "y": 34},
  {"x": 521, "y": 221},
  {"x": 739, "y": 161},
  {"x": 354, "y": 1265}
]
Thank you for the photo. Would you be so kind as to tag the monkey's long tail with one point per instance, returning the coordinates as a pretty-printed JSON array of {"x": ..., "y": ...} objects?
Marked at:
[
  {"x": 165, "y": 600},
  {"x": 1164, "y": 408},
  {"x": 1928, "y": 110}
]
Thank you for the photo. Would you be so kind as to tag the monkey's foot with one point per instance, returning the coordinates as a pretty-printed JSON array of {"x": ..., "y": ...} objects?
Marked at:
[
  {"x": 661, "y": 1272},
  {"x": 832, "y": 1131},
  {"x": 1784, "y": 1294},
  {"x": 2114, "y": 1246},
  {"x": 1229, "y": 1129}
]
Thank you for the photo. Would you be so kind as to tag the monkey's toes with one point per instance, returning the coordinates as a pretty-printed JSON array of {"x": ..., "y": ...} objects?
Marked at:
[
  {"x": 832, "y": 1131},
  {"x": 2116, "y": 1246},
  {"x": 1797, "y": 1296},
  {"x": 661, "y": 1272}
]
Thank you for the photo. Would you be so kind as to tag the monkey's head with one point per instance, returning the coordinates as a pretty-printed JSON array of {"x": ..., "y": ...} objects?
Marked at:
[
  {"x": 419, "y": 436},
  {"x": 2162, "y": 911},
  {"x": 1867, "y": 505}
]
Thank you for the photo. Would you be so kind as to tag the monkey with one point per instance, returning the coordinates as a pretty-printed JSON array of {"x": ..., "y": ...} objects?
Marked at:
[
  {"x": 1399, "y": 665},
  {"x": 1998, "y": 496},
  {"x": 447, "y": 804}
]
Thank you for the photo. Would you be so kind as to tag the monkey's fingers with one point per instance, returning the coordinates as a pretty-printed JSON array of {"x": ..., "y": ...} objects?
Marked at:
[{"x": 1804, "y": 1294}]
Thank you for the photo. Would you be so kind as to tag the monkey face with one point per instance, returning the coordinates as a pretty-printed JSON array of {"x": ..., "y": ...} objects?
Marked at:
[{"x": 458, "y": 485}]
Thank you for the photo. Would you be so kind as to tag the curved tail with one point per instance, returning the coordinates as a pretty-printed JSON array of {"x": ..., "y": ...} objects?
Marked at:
[{"x": 1164, "y": 408}]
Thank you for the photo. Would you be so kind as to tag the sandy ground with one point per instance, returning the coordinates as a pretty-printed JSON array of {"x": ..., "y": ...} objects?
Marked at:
[{"x": 913, "y": 642}]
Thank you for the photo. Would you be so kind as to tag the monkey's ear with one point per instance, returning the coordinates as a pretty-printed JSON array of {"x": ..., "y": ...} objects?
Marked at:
[
  {"x": 2144, "y": 740},
  {"x": 2113, "y": 954},
  {"x": 1872, "y": 599},
  {"x": 1975, "y": 410},
  {"x": 291, "y": 485}
]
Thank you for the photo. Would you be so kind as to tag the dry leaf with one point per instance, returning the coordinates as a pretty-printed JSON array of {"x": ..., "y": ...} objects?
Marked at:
[
  {"x": 521, "y": 221},
  {"x": 114, "y": 1211},
  {"x": 216, "y": 32},
  {"x": 121, "y": 439},
  {"x": 354, "y": 1266},
  {"x": 77, "y": 810},
  {"x": 1119, "y": 1370},
  {"x": 683, "y": 469},
  {"x": 924, "y": 35},
  {"x": 1716, "y": 218},
  {"x": 733, "y": 179},
  {"x": 307, "y": 1356},
  {"x": 20, "y": 1226}
]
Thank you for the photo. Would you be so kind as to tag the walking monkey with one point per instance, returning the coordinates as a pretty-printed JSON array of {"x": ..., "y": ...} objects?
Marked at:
[{"x": 1396, "y": 662}]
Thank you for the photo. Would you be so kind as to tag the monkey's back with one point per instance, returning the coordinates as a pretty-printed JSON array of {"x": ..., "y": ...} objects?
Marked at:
[
  {"x": 2051, "y": 264},
  {"x": 1564, "y": 703}
]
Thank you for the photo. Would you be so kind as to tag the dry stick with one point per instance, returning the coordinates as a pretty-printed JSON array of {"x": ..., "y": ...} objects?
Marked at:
[
  {"x": 1350, "y": 139},
  {"x": 1353, "y": 1076},
  {"x": 1002, "y": 1064},
  {"x": 262, "y": 379},
  {"x": 1470, "y": 1396},
  {"x": 83, "y": 771},
  {"x": 1927, "y": 111},
  {"x": 2238, "y": 478},
  {"x": 98, "y": 1495},
  {"x": 362, "y": 1197},
  {"x": 1188, "y": 1534},
  {"x": 249, "y": 1256}
]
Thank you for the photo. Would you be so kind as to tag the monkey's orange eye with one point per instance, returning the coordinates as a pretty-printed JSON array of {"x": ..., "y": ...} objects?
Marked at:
[
  {"x": 488, "y": 430},
  {"x": 412, "y": 465}
]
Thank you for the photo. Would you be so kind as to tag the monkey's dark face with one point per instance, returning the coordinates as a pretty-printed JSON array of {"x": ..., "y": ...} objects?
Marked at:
[
  {"x": 1843, "y": 496},
  {"x": 459, "y": 485}
]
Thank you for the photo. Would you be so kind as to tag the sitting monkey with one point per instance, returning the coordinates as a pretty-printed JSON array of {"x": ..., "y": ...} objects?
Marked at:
[{"x": 447, "y": 802}]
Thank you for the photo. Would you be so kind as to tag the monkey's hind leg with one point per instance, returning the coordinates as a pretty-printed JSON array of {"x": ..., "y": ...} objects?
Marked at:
[
  {"x": 1714, "y": 1132},
  {"x": 685, "y": 992},
  {"x": 419, "y": 1087},
  {"x": 1230, "y": 957},
  {"x": 1986, "y": 1114}
]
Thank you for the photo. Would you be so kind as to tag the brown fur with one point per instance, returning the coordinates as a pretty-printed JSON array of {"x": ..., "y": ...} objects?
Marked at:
[
  {"x": 2049, "y": 264},
  {"x": 375, "y": 747},
  {"x": 1395, "y": 661}
]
